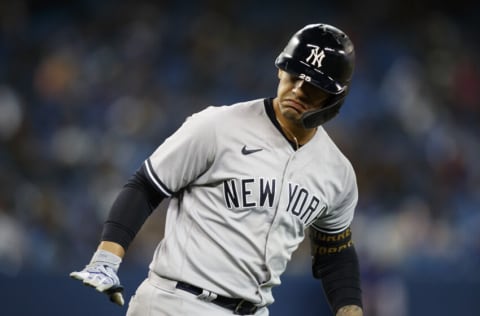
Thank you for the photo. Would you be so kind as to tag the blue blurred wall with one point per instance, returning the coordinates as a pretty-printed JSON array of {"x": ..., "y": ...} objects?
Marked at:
[{"x": 59, "y": 295}]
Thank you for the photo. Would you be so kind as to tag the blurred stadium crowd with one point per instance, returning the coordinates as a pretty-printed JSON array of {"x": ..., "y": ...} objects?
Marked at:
[{"x": 87, "y": 91}]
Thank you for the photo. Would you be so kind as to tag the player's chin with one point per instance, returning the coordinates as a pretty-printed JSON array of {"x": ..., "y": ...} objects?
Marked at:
[{"x": 292, "y": 114}]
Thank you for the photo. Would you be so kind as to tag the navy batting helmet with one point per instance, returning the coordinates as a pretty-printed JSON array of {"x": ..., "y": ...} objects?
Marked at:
[{"x": 323, "y": 56}]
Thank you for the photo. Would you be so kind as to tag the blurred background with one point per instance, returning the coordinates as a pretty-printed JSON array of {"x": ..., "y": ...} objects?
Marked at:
[{"x": 89, "y": 90}]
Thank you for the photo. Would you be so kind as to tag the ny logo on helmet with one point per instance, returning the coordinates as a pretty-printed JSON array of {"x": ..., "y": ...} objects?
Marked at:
[{"x": 316, "y": 56}]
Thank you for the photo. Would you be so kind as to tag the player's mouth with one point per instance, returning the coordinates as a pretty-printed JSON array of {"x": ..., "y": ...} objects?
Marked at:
[{"x": 296, "y": 105}]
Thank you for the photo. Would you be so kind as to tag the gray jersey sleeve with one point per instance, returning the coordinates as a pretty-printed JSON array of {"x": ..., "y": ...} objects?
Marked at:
[
  {"x": 339, "y": 216},
  {"x": 184, "y": 155}
]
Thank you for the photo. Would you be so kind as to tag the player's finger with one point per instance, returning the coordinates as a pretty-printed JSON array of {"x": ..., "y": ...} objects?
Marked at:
[
  {"x": 117, "y": 298},
  {"x": 78, "y": 275},
  {"x": 115, "y": 294}
]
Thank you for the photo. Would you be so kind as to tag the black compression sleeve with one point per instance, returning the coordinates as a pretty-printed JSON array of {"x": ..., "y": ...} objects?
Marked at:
[
  {"x": 340, "y": 277},
  {"x": 134, "y": 204},
  {"x": 335, "y": 262}
]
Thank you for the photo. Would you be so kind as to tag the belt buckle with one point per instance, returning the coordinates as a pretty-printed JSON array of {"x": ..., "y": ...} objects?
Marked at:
[{"x": 238, "y": 309}]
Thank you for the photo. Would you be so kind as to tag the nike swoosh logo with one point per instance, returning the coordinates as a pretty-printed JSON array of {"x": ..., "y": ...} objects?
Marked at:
[{"x": 246, "y": 151}]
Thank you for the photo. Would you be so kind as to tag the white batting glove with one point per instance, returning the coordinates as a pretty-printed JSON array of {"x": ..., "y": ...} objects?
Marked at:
[{"x": 101, "y": 273}]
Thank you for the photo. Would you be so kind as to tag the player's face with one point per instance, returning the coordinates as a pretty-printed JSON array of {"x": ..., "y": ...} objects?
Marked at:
[{"x": 295, "y": 97}]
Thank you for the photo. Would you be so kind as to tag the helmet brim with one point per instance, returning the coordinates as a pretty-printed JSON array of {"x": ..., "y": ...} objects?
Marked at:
[{"x": 316, "y": 76}]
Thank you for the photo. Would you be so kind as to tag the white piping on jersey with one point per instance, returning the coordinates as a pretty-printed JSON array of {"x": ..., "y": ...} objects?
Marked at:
[
  {"x": 274, "y": 219},
  {"x": 152, "y": 176}
]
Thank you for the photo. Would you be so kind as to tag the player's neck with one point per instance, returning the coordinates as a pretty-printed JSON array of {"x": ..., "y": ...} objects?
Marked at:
[
  {"x": 296, "y": 133},
  {"x": 299, "y": 135}
]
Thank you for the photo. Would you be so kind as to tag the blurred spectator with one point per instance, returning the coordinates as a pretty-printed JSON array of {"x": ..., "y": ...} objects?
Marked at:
[{"x": 89, "y": 89}]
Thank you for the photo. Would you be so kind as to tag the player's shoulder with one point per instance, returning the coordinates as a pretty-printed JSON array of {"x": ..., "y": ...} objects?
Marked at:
[
  {"x": 330, "y": 150},
  {"x": 238, "y": 107},
  {"x": 221, "y": 119},
  {"x": 240, "y": 110}
]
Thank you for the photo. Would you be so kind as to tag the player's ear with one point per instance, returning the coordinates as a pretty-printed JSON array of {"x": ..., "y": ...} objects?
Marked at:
[{"x": 279, "y": 73}]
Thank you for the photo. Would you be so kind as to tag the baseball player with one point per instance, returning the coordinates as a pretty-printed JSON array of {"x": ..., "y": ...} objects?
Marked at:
[{"x": 245, "y": 182}]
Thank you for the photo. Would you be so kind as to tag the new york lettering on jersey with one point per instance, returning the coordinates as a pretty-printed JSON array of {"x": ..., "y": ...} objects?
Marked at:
[{"x": 251, "y": 192}]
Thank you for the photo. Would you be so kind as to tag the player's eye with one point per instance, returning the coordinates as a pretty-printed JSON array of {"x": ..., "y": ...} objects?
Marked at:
[{"x": 293, "y": 78}]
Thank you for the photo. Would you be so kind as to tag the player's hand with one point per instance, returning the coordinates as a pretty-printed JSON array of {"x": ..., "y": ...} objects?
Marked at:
[{"x": 101, "y": 273}]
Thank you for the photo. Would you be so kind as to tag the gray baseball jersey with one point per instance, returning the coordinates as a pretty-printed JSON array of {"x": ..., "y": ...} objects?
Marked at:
[{"x": 242, "y": 198}]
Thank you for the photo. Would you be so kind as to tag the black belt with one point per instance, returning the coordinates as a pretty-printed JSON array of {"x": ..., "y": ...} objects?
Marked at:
[{"x": 237, "y": 305}]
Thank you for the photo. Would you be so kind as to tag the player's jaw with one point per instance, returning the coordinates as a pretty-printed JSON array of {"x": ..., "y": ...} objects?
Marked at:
[
  {"x": 290, "y": 110},
  {"x": 292, "y": 106}
]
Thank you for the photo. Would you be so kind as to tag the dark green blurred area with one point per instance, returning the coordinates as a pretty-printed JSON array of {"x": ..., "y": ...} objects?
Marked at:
[{"x": 88, "y": 91}]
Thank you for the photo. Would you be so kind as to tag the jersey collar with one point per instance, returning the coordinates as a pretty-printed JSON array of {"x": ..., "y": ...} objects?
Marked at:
[{"x": 268, "y": 102}]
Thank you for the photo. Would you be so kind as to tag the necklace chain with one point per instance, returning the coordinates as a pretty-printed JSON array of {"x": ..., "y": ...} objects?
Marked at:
[{"x": 285, "y": 129}]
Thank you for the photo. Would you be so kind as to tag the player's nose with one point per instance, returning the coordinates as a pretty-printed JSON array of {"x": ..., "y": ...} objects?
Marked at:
[
  {"x": 299, "y": 83},
  {"x": 308, "y": 93},
  {"x": 300, "y": 88}
]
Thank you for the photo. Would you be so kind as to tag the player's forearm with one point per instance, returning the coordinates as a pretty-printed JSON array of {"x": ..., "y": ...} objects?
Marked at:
[
  {"x": 130, "y": 210},
  {"x": 112, "y": 247},
  {"x": 339, "y": 271},
  {"x": 350, "y": 310}
]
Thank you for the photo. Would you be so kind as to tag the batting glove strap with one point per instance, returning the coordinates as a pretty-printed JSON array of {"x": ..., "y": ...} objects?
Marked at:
[
  {"x": 105, "y": 258},
  {"x": 102, "y": 277}
]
